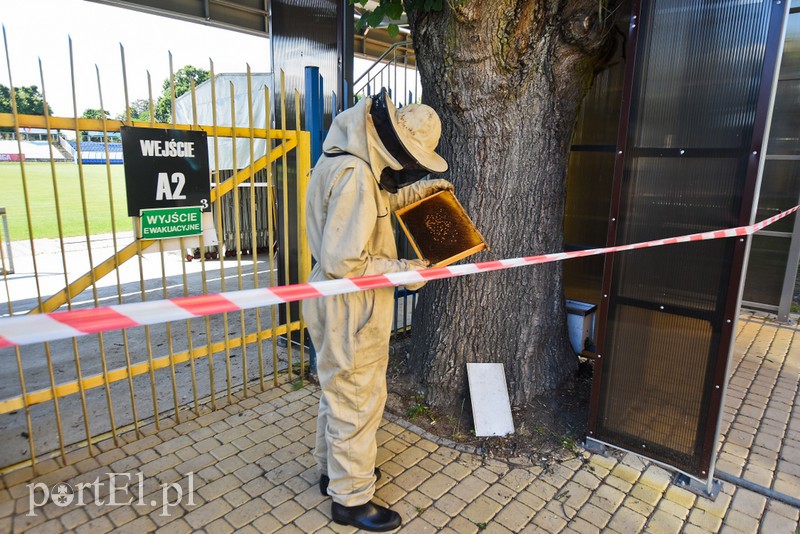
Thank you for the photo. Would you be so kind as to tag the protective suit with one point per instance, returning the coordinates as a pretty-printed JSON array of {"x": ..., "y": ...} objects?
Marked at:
[{"x": 350, "y": 233}]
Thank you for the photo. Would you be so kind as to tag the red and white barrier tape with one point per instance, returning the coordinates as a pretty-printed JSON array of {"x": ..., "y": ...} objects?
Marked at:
[{"x": 27, "y": 329}]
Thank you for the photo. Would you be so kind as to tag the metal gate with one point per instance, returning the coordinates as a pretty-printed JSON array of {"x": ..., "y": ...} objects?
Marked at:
[{"x": 65, "y": 396}]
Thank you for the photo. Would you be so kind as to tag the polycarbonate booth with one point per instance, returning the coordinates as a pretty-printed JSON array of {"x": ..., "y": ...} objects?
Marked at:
[{"x": 679, "y": 137}]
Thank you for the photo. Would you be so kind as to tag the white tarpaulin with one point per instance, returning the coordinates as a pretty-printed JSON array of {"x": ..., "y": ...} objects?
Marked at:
[{"x": 184, "y": 115}]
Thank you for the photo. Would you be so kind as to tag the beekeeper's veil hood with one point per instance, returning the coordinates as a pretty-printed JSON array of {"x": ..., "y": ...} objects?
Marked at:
[{"x": 399, "y": 144}]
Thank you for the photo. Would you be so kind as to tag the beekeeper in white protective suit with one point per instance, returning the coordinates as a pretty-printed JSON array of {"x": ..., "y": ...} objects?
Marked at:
[{"x": 374, "y": 158}]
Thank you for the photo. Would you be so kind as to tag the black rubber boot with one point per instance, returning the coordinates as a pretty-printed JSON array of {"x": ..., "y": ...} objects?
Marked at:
[
  {"x": 370, "y": 516},
  {"x": 324, "y": 481}
]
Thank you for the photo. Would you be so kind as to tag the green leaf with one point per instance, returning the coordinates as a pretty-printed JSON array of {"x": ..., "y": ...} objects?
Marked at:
[
  {"x": 376, "y": 17},
  {"x": 394, "y": 10},
  {"x": 393, "y": 30}
]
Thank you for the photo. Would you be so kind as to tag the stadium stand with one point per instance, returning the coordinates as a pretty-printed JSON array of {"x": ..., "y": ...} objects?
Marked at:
[
  {"x": 31, "y": 150},
  {"x": 91, "y": 151},
  {"x": 95, "y": 152}
]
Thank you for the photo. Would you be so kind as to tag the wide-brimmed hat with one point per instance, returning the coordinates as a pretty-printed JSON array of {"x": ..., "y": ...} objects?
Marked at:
[{"x": 418, "y": 128}]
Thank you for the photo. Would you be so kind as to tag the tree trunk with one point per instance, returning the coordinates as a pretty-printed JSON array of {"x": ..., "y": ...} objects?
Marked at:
[{"x": 507, "y": 78}]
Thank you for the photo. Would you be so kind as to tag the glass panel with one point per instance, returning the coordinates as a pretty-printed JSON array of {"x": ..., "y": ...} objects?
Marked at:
[
  {"x": 598, "y": 119},
  {"x": 790, "y": 64},
  {"x": 655, "y": 401},
  {"x": 668, "y": 197},
  {"x": 591, "y": 173},
  {"x": 701, "y": 76},
  {"x": 588, "y": 197},
  {"x": 766, "y": 269},
  {"x": 780, "y": 183},
  {"x": 784, "y": 134},
  {"x": 780, "y": 190},
  {"x": 689, "y": 278},
  {"x": 583, "y": 279}
]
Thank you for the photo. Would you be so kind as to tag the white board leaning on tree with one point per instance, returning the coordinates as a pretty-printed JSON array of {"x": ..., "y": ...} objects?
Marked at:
[{"x": 491, "y": 407}]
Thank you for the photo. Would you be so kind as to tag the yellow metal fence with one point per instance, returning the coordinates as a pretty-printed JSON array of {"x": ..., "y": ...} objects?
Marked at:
[{"x": 58, "y": 396}]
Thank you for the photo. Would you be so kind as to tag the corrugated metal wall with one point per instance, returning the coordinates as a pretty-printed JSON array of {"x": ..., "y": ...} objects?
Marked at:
[{"x": 303, "y": 33}]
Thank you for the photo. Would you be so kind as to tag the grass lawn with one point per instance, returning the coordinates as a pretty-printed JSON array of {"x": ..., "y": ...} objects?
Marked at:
[{"x": 42, "y": 200}]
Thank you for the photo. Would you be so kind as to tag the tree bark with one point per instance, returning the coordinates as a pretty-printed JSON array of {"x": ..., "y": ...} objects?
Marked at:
[{"x": 507, "y": 78}]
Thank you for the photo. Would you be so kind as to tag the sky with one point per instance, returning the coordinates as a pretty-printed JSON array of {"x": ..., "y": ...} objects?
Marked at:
[{"x": 41, "y": 29}]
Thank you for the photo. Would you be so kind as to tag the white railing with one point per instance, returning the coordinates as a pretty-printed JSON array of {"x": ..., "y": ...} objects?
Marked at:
[
  {"x": 395, "y": 70},
  {"x": 68, "y": 147}
]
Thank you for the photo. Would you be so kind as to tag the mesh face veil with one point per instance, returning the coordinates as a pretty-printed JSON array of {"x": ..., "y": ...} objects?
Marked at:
[{"x": 392, "y": 180}]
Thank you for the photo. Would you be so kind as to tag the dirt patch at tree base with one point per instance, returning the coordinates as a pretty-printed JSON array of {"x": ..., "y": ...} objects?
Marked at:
[{"x": 549, "y": 429}]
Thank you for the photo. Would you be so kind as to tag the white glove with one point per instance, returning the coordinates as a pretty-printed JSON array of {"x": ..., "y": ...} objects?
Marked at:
[
  {"x": 438, "y": 184},
  {"x": 416, "y": 265}
]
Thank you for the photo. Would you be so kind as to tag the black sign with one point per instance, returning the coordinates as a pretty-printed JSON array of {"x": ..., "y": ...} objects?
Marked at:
[{"x": 165, "y": 168}]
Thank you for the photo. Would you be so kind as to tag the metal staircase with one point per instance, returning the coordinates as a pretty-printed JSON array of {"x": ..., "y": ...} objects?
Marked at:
[{"x": 396, "y": 70}]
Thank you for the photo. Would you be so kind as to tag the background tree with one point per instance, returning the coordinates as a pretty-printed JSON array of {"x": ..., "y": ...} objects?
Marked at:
[
  {"x": 183, "y": 82},
  {"x": 507, "y": 77},
  {"x": 140, "y": 111},
  {"x": 29, "y": 100},
  {"x": 94, "y": 113}
]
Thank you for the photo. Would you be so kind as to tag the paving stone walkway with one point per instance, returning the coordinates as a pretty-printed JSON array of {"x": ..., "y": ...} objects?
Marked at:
[
  {"x": 247, "y": 467},
  {"x": 761, "y": 421}
]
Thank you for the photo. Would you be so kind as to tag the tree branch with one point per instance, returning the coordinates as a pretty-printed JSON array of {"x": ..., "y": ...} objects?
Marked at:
[{"x": 587, "y": 30}]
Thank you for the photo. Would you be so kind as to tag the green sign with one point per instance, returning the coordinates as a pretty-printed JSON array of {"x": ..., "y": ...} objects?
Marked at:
[{"x": 162, "y": 223}]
